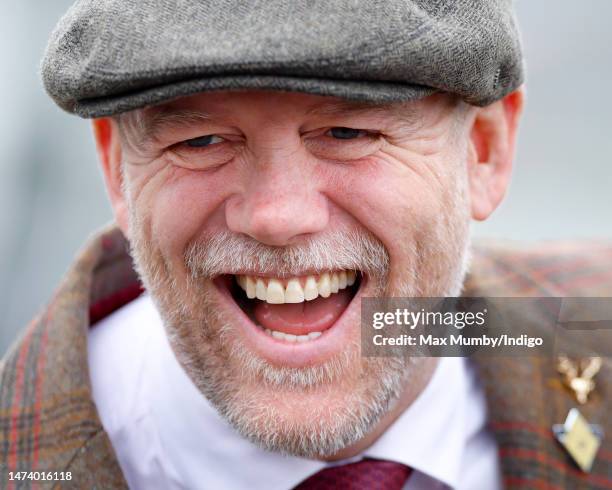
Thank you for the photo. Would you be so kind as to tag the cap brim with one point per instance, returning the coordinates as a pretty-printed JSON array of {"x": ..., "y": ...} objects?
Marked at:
[{"x": 365, "y": 91}]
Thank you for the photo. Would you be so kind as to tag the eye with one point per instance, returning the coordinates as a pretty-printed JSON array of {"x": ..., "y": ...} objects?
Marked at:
[
  {"x": 342, "y": 133},
  {"x": 204, "y": 141}
]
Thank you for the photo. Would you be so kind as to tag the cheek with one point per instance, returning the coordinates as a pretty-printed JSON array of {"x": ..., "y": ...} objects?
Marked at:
[
  {"x": 179, "y": 204},
  {"x": 398, "y": 202}
]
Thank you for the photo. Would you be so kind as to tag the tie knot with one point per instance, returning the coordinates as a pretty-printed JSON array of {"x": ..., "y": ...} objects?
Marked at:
[{"x": 367, "y": 474}]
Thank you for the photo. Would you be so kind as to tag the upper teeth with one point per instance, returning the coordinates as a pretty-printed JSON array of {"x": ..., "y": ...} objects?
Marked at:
[{"x": 295, "y": 289}]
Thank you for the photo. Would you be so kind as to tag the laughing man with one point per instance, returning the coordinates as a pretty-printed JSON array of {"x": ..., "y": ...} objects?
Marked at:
[{"x": 269, "y": 164}]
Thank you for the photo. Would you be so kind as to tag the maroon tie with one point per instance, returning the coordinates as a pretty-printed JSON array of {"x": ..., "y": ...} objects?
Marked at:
[{"x": 367, "y": 474}]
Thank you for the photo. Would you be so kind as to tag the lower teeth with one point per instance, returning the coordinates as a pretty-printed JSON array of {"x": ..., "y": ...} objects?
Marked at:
[{"x": 292, "y": 338}]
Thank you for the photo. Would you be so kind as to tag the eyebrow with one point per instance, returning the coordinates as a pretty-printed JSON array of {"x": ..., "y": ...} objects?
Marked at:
[
  {"x": 404, "y": 113},
  {"x": 164, "y": 120},
  {"x": 137, "y": 128}
]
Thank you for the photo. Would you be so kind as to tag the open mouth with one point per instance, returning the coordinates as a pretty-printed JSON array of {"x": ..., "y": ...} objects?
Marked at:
[{"x": 295, "y": 309}]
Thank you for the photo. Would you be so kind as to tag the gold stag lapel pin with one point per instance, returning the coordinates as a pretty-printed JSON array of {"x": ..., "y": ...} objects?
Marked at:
[
  {"x": 580, "y": 439},
  {"x": 579, "y": 376}
]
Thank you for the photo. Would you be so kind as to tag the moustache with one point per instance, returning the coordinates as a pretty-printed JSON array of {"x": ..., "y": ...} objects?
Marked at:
[{"x": 232, "y": 253}]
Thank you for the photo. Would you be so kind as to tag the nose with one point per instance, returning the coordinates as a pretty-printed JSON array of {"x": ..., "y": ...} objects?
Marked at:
[{"x": 280, "y": 205}]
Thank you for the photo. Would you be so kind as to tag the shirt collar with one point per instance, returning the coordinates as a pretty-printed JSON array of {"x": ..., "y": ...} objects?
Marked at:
[{"x": 429, "y": 436}]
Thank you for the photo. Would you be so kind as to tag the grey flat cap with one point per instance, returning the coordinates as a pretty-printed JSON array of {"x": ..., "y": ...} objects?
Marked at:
[{"x": 111, "y": 56}]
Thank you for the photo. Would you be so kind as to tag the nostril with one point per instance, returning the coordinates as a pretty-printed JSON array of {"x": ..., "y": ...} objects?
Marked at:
[{"x": 278, "y": 222}]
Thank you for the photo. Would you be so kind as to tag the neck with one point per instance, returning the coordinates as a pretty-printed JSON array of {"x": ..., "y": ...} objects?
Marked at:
[{"x": 414, "y": 386}]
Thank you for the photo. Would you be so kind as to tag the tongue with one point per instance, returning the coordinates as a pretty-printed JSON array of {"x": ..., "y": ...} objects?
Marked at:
[{"x": 302, "y": 318}]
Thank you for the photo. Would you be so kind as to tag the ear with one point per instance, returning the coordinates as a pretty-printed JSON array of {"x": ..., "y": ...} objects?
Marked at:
[
  {"x": 108, "y": 145},
  {"x": 491, "y": 152}
]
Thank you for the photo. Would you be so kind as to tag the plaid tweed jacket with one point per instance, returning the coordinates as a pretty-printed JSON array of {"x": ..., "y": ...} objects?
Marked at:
[{"x": 48, "y": 420}]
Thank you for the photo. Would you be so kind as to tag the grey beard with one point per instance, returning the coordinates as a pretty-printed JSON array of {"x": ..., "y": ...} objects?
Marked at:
[{"x": 206, "y": 344}]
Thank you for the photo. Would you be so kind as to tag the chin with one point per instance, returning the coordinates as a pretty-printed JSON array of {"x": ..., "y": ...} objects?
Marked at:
[{"x": 309, "y": 398}]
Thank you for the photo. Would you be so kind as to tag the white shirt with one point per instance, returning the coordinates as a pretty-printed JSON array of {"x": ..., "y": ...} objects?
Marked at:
[{"x": 167, "y": 436}]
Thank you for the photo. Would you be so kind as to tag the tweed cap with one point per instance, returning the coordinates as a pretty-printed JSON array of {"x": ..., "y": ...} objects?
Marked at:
[{"x": 106, "y": 57}]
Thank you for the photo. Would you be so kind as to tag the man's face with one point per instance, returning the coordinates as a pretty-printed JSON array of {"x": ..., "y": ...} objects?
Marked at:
[{"x": 259, "y": 219}]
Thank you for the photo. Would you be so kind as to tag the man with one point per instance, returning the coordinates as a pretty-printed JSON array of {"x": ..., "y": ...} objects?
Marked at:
[{"x": 270, "y": 164}]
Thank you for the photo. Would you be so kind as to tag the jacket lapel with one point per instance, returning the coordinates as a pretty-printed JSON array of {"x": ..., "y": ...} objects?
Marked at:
[
  {"x": 521, "y": 415},
  {"x": 525, "y": 395},
  {"x": 48, "y": 420}
]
